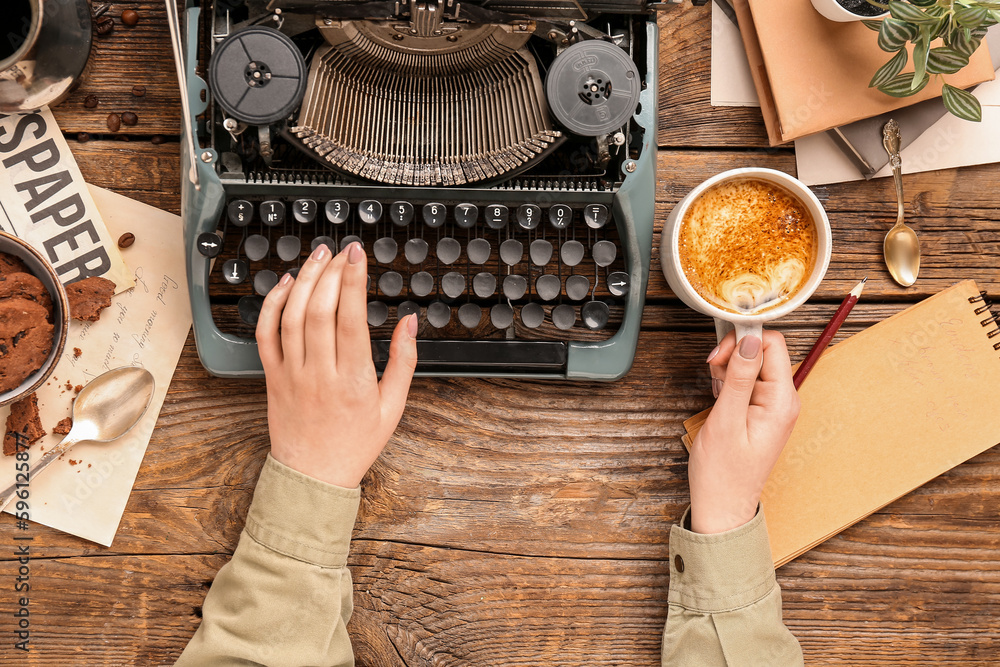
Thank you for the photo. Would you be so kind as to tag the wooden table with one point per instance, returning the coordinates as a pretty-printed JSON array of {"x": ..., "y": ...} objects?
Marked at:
[{"x": 526, "y": 523}]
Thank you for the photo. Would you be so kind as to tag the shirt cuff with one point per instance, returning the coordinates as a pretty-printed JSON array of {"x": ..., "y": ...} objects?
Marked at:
[
  {"x": 722, "y": 571},
  {"x": 302, "y": 517}
]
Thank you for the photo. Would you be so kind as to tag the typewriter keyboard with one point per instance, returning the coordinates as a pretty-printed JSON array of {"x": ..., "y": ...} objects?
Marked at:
[{"x": 469, "y": 270}]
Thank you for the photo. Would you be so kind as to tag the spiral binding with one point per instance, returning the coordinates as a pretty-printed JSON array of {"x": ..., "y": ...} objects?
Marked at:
[{"x": 992, "y": 319}]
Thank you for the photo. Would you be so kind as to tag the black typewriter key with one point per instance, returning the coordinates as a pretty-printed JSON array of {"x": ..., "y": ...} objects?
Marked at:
[
  {"x": 595, "y": 314},
  {"x": 469, "y": 315},
  {"x": 438, "y": 314},
  {"x": 337, "y": 211},
  {"x": 348, "y": 240},
  {"x": 532, "y": 315},
  {"x": 434, "y": 214},
  {"x": 421, "y": 283},
  {"x": 466, "y": 215},
  {"x": 209, "y": 244},
  {"x": 540, "y": 251},
  {"x": 378, "y": 313},
  {"x": 560, "y": 215},
  {"x": 235, "y": 271},
  {"x": 618, "y": 283},
  {"x": 453, "y": 284},
  {"x": 548, "y": 287},
  {"x": 595, "y": 215},
  {"x": 415, "y": 250},
  {"x": 407, "y": 308},
  {"x": 256, "y": 247},
  {"x": 288, "y": 248},
  {"x": 240, "y": 212},
  {"x": 304, "y": 210},
  {"x": 571, "y": 253},
  {"x": 563, "y": 316},
  {"x": 511, "y": 251},
  {"x": 330, "y": 243},
  {"x": 501, "y": 315},
  {"x": 401, "y": 213},
  {"x": 272, "y": 212},
  {"x": 293, "y": 272},
  {"x": 249, "y": 309},
  {"x": 479, "y": 251},
  {"x": 577, "y": 287},
  {"x": 390, "y": 283},
  {"x": 497, "y": 216},
  {"x": 604, "y": 253},
  {"x": 448, "y": 250},
  {"x": 385, "y": 249},
  {"x": 514, "y": 286},
  {"x": 528, "y": 216},
  {"x": 484, "y": 285},
  {"x": 370, "y": 211},
  {"x": 264, "y": 281}
]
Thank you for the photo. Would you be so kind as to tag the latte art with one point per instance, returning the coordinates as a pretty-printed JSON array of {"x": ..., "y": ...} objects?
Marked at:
[{"x": 747, "y": 245}]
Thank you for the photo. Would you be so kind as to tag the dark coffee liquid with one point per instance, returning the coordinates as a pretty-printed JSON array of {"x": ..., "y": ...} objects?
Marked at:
[{"x": 17, "y": 24}]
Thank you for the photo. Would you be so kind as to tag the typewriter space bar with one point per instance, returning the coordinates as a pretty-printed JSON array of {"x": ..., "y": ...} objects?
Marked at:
[{"x": 495, "y": 356}]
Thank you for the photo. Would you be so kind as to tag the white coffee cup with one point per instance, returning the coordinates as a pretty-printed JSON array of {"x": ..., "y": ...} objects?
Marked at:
[{"x": 725, "y": 320}]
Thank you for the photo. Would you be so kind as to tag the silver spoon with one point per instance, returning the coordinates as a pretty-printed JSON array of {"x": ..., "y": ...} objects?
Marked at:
[
  {"x": 901, "y": 246},
  {"x": 105, "y": 410}
]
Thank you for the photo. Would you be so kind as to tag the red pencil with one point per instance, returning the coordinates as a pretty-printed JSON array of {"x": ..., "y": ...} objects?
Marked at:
[{"x": 828, "y": 334}]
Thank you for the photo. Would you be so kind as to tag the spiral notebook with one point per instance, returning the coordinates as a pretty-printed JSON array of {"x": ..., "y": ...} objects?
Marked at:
[{"x": 884, "y": 412}]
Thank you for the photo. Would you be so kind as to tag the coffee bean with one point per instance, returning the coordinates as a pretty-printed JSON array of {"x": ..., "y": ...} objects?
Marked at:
[
  {"x": 82, "y": 137},
  {"x": 157, "y": 139},
  {"x": 139, "y": 91},
  {"x": 90, "y": 101},
  {"x": 114, "y": 122},
  {"x": 130, "y": 17},
  {"x": 129, "y": 118},
  {"x": 126, "y": 239},
  {"x": 105, "y": 26}
]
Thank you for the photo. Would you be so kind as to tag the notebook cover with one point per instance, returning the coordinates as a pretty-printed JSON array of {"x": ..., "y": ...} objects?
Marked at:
[
  {"x": 818, "y": 70},
  {"x": 884, "y": 412}
]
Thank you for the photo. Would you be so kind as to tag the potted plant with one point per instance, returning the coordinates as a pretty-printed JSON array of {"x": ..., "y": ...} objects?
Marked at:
[
  {"x": 960, "y": 24},
  {"x": 849, "y": 10}
]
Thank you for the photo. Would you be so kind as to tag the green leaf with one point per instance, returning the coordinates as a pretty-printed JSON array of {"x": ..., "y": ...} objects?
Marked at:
[
  {"x": 970, "y": 17},
  {"x": 923, "y": 3},
  {"x": 965, "y": 42},
  {"x": 904, "y": 11},
  {"x": 920, "y": 52},
  {"x": 872, "y": 24},
  {"x": 944, "y": 60},
  {"x": 894, "y": 34},
  {"x": 902, "y": 85},
  {"x": 889, "y": 70},
  {"x": 962, "y": 103}
]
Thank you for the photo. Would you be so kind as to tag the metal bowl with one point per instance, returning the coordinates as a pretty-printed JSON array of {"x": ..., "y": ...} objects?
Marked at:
[{"x": 42, "y": 270}]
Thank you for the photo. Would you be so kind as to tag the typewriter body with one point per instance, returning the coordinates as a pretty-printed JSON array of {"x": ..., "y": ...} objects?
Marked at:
[{"x": 496, "y": 160}]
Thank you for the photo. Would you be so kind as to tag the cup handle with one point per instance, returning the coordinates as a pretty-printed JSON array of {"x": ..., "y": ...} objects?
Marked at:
[{"x": 723, "y": 327}]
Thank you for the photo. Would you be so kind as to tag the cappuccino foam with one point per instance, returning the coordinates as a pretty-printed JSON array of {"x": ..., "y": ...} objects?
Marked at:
[{"x": 747, "y": 245}]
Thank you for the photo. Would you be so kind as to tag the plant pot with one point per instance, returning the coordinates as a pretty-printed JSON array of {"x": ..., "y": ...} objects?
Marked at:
[{"x": 843, "y": 11}]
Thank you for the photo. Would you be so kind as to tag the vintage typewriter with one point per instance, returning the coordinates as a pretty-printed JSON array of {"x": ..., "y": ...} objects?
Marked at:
[{"x": 495, "y": 158}]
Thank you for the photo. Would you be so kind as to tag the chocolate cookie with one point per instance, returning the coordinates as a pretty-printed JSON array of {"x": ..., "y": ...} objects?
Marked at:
[
  {"x": 25, "y": 340},
  {"x": 88, "y": 297},
  {"x": 64, "y": 426},
  {"x": 11, "y": 264},
  {"x": 22, "y": 424},
  {"x": 24, "y": 286}
]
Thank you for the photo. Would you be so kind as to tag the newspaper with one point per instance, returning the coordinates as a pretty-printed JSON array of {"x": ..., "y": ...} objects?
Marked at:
[{"x": 45, "y": 201}]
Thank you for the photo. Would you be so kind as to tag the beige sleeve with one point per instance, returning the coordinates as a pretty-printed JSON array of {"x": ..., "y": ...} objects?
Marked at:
[
  {"x": 724, "y": 601},
  {"x": 285, "y": 597}
]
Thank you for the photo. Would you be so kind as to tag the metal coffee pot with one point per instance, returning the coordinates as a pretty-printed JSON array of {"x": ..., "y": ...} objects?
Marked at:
[{"x": 44, "y": 48}]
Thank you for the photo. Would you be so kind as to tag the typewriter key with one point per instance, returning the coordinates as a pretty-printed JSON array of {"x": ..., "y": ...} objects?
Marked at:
[
  {"x": 415, "y": 250},
  {"x": 547, "y": 287},
  {"x": 337, "y": 211},
  {"x": 618, "y": 283},
  {"x": 438, "y": 314},
  {"x": 348, "y": 240},
  {"x": 235, "y": 271},
  {"x": 595, "y": 215},
  {"x": 511, "y": 251},
  {"x": 370, "y": 211},
  {"x": 532, "y": 315},
  {"x": 469, "y": 315},
  {"x": 479, "y": 251},
  {"x": 289, "y": 248},
  {"x": 272, "y": 213},
  {"x": 448, "y": 250},
  {"x": 256, "y": 247},
  {"x": 421, "y": 283},
  {"x": 434, "y": 214},
  {"x": 453, "y": 284},
  {"x": 514, "y": 286},
  {"x": 560, "y": 215},
  {"x": 466, "y": 215},
  {"x": 378, "y": 313},
  {"x": 391, "y": 283},
  {"x": 249, "y": 309},
  {"x": 577, "y": 287},
  {"x": 484, "y": 285},
  {"x": 385, "y": 249},
  {"x": 401, "y": 213},
  {"x": 304, "y": 210},
  {"x": 264, "y": 281},
  {"x": 604, "y": 253},
  {"x": 240, "y": 212},
  {"x": 563, "y": 316},
  {"x": 571, "y": 253},
  {"x": 501, "y": 315},
  {"x": 330, "y": 243},
  {"x": 595, "y": 314},
  {"x": 497, "y": 216},
  {"x": 540, "y": 251},
  {"x": 209, "y": 244},
  {"x": 528, "y": 216},
  {"x": 407, "y": 308}
]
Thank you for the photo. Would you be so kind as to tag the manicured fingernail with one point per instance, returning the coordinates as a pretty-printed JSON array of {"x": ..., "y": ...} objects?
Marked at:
[
  {"x": 749, "y": 347},
  {"x": 285, "y": 279},
  {"x": 320, "y": 252},
  {"x": 716, "y": 387},
  {"x": 411, "y": 326},
  {"x": 355, "y": 253},
  {"x": 711, "y": 355}
]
